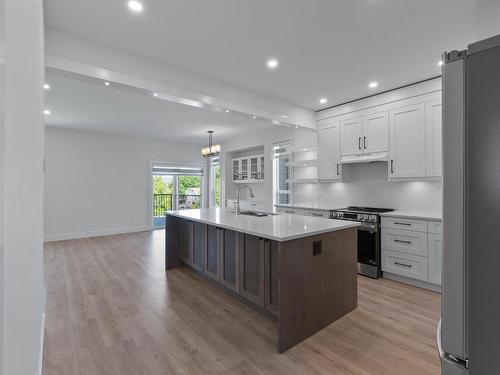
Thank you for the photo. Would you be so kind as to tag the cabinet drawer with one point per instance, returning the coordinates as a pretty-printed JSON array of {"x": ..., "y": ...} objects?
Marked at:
[
  {"x": 414, "y": 243},
  {"x": 411, "y": 266},
  {"x": 406, "y": 224},
  {"x": 315, "y": 213},
  {"x": 435, "y": 227},
  {"x": 286, "y": 210}
]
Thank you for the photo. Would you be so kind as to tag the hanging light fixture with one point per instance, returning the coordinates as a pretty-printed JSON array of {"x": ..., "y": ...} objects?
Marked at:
[{"x": 211, "y": 150}]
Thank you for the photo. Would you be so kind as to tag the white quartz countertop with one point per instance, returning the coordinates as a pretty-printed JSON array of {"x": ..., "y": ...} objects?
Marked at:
[
  {"x": 278, "y": 227},
  {"x": 435, "y": 216},
  {"x": 309, "y": 206}
]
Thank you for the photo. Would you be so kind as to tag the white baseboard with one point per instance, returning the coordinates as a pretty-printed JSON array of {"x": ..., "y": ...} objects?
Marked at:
[
  {"x": 417, "y": 283},
  {"x": 96, "y": 233},
  {"x": 40, "y": 358}
]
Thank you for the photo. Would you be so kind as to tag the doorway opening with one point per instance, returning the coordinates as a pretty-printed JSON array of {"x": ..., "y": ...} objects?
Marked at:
[{"x": 175, "y": 188}]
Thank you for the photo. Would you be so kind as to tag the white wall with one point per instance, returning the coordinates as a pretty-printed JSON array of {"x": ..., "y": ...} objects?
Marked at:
[
  {"x": 367, "y": 185},
  {"x": 23, "y": 292},
  {"x": 99, "y": 183}
]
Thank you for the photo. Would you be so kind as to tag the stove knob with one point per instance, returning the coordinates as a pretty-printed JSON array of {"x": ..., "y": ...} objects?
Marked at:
[{"x": 361, "y": 217}]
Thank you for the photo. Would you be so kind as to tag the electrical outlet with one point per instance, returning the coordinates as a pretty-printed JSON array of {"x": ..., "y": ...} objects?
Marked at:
[{"x": 316, "y": 248}]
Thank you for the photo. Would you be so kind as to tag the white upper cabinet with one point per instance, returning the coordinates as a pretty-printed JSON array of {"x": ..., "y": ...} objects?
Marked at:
[
  {"x": 351, "y": 136},
  {"x": 407, "y": 142},
  {"x": 402, "y": 127},
  {"x": 433, "y": 130},
  {"x": 248, "y": 169},
  {"x": 329, "y": 167},
  {"x": 367, "y": 134},
  {"x": 376, "y": 132}
]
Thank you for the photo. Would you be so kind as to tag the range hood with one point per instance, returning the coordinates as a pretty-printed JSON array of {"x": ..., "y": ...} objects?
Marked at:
[{"x": 365, "y": 158}]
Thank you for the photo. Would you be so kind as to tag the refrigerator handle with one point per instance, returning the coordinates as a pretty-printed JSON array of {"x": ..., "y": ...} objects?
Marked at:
[{"x": 439, "y": 344}]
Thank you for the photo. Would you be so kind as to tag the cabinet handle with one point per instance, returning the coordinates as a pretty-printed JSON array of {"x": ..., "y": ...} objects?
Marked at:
[
  {"x": 401, "y": 241},
  {"x": 403, "y": 264},
  {"x": 359, "y": 143},
  {"x": 338, "y": 174},
  {"x": 392, "y": 166},
  {"x": 400, "y": 223},
  {"x": 289, "y": 212},
  {"x": 313, "y": 214},
  {"x": 364, "y": 142}
]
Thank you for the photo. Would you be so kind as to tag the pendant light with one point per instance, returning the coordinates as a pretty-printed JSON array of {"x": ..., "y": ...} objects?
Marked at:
[{"x": 211, "y": 150}]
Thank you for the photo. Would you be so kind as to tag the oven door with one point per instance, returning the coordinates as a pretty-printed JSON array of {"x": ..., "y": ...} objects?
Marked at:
[{"x": 369, "y": 250}]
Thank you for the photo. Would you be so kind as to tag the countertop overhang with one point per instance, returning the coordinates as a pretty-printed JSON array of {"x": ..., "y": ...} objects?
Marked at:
[{"x": 277, "y": 227}]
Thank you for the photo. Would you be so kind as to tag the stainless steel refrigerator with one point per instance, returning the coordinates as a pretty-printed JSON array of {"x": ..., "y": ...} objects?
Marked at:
[{"x": 469, "y": 336}]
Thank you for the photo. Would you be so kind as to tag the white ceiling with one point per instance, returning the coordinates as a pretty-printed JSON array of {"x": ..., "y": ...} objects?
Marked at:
[
  {"x": 326, "y": 48},
  {"x": 78, "y": 102}
]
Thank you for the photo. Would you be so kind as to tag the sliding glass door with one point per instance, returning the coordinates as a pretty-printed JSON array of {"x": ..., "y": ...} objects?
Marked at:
[{"x": 175, "y": 188}]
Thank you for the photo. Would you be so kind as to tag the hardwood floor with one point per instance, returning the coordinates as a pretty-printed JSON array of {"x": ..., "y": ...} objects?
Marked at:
[{"x": 112, "y": 309}]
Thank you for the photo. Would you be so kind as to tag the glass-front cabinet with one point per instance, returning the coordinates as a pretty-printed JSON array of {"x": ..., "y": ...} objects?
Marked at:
[{"x": 248, "y": 169}]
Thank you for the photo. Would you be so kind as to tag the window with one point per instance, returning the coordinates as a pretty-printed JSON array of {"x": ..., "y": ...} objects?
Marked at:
[
  {"x": 281, "y": 173},
  {"x": 175, "y": 188},
  {"x": 215, "y": 179}
]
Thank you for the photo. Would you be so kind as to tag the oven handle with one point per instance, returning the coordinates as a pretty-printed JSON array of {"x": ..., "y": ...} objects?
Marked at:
[{"x": 368, "y": 228}]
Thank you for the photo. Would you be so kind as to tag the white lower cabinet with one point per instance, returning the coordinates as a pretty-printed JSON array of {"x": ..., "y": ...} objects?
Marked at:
[
  {"x": 317, "y": 213},
  {"x": 290, "y": 210},
  {"x": 407, "y": 265},
  {"x": 405, "y": 241},
  {"x": 415, "y": 252},
  {"x": 303, "y": 211},
  {"x": 247, "y": 205}
]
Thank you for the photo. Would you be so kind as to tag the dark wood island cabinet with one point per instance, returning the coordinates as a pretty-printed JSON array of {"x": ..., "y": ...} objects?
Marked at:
[{"x": 305, "y": 283}]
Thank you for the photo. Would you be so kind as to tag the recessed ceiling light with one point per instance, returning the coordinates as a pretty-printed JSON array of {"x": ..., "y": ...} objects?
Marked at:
[
  {"x": 254, "y": 117},
  {"x": 323, "y": 100},
  {"x": 440, "y": 63},
  {"x": 296, "y": 126},
  {"x": 272, "y": 63},
  {"x": 46, "y": 112},
  {"x": 227, "y": 110},
  {"x": 155, "y": 94},
  {"x": 276, "y": 122},
  {"x": 373, "y": 85},
  {"x": 135, "y": 6},
  {"x": 46, "y": 86},
  {"x": 106, "y": 83}
]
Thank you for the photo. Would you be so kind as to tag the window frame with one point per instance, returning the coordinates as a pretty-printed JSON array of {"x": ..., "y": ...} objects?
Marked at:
[{"x": 286, "y": 144}]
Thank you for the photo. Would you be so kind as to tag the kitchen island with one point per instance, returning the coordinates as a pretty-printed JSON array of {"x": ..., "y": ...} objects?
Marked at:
[{"x": 299, "y": 270}]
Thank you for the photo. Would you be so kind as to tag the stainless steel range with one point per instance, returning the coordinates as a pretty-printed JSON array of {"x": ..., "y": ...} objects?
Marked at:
[{"x": 369, "y": 262}]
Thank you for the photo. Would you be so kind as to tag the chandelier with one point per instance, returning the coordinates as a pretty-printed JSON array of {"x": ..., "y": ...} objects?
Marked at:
[{"x": 211, "y": 150}]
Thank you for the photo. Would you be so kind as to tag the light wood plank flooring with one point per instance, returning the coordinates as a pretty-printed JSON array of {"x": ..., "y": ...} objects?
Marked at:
[{"x": 112, "y": 309}]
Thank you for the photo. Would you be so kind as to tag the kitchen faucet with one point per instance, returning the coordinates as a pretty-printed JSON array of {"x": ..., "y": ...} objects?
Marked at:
[{"x": 238, "y": 211}]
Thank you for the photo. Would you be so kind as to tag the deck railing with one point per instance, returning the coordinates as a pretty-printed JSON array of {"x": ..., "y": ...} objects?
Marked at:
[
  {"x": 164, "y": 202},
  {"x": 161, "y": 203}
]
